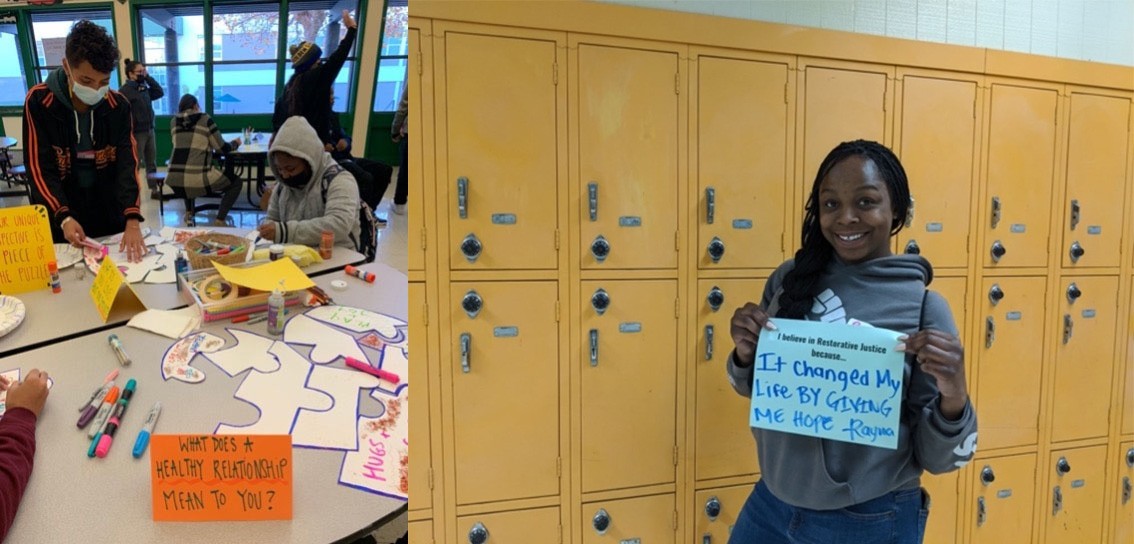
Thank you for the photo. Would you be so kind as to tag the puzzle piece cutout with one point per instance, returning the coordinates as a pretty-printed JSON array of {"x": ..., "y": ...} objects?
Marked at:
[
  {"x": 325, "y": 429},
  {"x": 165, "y": 271},
  {"x": 175, "y": 362},
  {"x": 251, "y": 351},
  {"x": 389, "y": 328},
  {"x": 10, "y": 377},
  {"x": 279, "y": 395},
  {"x": 328, "y": 343},
  {"x": 380, "y": 464},
  {"x": 394, "y": 359}
]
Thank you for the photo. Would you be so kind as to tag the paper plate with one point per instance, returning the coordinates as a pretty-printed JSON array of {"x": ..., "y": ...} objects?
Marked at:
[
  {"x": 11, "y": 313},
  {"x": 67, "y": 255}
]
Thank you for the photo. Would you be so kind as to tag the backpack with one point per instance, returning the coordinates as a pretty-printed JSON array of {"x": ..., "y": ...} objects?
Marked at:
[{"x": 368, "y": 227}]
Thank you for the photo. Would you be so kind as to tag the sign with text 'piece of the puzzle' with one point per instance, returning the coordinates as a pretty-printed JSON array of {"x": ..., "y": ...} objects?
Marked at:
[
  {"x": 834, "y": 381},
  {"x": 25, "y": 249},
  {"x": 221, "y": 478}
]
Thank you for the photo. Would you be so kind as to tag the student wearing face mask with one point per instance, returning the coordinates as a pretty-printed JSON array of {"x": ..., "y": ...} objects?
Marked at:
[
  {"x": 80, "y": 148},
  {"x": 306, "y": 203},
  {"x": 140, "y": 90}
]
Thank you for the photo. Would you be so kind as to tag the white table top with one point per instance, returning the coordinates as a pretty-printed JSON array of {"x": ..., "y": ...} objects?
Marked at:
[
  {"x": 248, "y": 148},
  {"x": 52, "y": 316},
  {"x": 72, "y": 498}
]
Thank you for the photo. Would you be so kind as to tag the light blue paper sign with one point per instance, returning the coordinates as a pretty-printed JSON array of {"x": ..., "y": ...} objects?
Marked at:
[{"x": 835, "y": 381}]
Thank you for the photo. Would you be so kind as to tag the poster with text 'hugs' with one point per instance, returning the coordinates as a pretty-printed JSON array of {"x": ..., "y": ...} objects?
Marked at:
[{"x": 834, "y": 381}]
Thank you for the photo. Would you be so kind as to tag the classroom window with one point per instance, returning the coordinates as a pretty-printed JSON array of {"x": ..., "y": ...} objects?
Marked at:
[
  {"x": 49, "y": 34},
  {"x": 244, "y": 72},
  {"x": 13, "y": 86},
  {"x": 392, "y": 63},
  {"x": 172, "y": 40},
  {"x": 320, "y": 21}
]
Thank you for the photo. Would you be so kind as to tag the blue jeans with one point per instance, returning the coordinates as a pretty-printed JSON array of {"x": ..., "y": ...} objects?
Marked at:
[{"x": 897, "y": 517}]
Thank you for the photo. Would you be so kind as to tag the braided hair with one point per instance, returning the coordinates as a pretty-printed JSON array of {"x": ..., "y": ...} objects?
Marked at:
[{"x": 801, "y": 284}]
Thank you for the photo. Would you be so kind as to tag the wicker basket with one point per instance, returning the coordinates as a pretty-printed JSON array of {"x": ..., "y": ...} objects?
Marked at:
[{"x": 199, "y": 260}]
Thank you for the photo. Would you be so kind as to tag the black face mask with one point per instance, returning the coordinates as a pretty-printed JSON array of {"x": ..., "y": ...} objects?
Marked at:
[{"x": 297, "y": 181}]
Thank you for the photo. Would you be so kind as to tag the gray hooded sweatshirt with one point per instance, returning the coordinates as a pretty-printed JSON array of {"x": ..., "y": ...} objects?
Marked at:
[
  {"x": 301, "y": 215},
  {"x": 822, "y": 474}
]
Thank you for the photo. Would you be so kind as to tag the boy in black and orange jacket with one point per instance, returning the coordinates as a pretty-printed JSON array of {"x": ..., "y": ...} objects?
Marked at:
[{"x": 79, "y": 143}]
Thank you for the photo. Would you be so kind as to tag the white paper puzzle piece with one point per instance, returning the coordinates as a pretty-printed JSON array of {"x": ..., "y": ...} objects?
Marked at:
[
  {"x": 175, "y": 362},
  {"x": 251, "y": 351},
  {"x": 278, "y": 395},
  {"x": 380, "y": 464},
  {"x": 391, "y": 329},
  {"x": 333, "y": 428},
  {"x": 328, "y": 343}
]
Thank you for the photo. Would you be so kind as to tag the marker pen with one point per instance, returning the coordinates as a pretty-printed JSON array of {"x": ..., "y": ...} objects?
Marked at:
[
  {"x": 104, "y": 411},
  {"x": 363, "y": 366},
  {"x": 107, "y": 437},
  {"x": 147, "y": 428},
  {"x": 93, "y": 405},
  {"x": 109, "y": 377}
]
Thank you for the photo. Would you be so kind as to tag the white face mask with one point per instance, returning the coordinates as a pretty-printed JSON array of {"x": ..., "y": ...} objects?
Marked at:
[{"x": 88, "y": 95}]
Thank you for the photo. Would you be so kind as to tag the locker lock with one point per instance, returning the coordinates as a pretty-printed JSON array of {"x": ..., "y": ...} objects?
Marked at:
[
  {"x": 478, "y": 534},
  {"x": 715, "y": 298},
  {"x": 601, "y": 521},
  {"x": 1073, "y": 292},
  {"x": 471, "y": 247},
  {"x": 987, "y": 476},
  {"x": 1077, "y": 251},
  {"x": 600, "y": 301},
  {"x": 713, "y": 508},
  {"x": 1130, "y": 457},
  {"x": 600, "y": 248},
  {"x": 472, "y": 303},
  {"x": 716, "y": 249},
  {"x": 998, "y": 251},
  {"x": 1062, "y": 466},
  {"x": 912, "y": 248},
  {"x": 995, "y": 293}
]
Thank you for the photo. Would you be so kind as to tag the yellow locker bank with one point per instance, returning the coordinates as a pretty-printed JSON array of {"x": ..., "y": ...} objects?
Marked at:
[{"x": 594, "y": 188}]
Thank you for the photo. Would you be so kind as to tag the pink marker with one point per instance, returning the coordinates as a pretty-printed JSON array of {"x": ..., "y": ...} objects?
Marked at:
[
  {"x": 383, "y": 374},
  {"x": 93, "y": 244}
]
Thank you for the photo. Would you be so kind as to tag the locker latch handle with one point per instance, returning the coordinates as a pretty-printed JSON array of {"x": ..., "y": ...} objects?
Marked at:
[
  {"x": 981, "y": 513},
  {"x": 708, "y": 342},
  {"x": 594, "y": 347},
  {"x": 707, "y": 539},
  {"x": 1056, "y": 501},
  {"x": 710, "y": 204},
  {"x": 1074, "y": 213},
  {"x": 1068, "y": 324},
  {"x": 995, "y": 211},
  {"x": 910, "y": 214},
  {"x": 466, "y": 346},
  {"x": 463, "y": 198},
  {"x": 989, "y": 331},
  {"x": 592, "y": 193},
  {"x": 1127, "y": 489}
]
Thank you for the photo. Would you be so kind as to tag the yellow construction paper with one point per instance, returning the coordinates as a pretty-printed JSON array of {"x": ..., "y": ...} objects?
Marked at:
[
  {"x": 25, "y": 249},
  {"x": 108, "y": 293},
  {"x": 266, "y": 277}
]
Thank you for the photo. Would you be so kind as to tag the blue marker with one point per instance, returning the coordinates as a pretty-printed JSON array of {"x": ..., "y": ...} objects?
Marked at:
[{"x": 147, "y": 428}]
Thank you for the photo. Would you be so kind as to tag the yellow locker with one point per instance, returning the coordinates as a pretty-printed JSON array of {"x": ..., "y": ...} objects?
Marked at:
[
  {"x": 1075, "y": 495},
  {"x": 501, "y": 122},
  {"x": 650, "y": 519},
  {"x": 1021, "y": 167},
  {"x": 937, "y": 151},
  {"x": 629, "y": 383},
  {"x": 421, "y": 496},
  {"x": 742, "y": 137},
  {"x": 1127, "y": 389},
  {"x": 1084, "y": 357},
  {"x": 1123, "y": 497},
  {"x": 420, "y": 98},
  {"x": 1096, "y": 173},
  {"x": 944, "y": 495},
  {"x": 1003, "y": 499},
  {"x": 628, "y": 124},
  {"x": 421, "y": 532},
  {"x": 725, "y": 446},
  {"x": 717, "y": 511},
  {"x": 1009, "y": 361},
  {"x": 518, "y": 527},
  {"x": 955, "y": 292},
  {"x": 841, "y": 105},
  {"x": 505, "y": 378}
]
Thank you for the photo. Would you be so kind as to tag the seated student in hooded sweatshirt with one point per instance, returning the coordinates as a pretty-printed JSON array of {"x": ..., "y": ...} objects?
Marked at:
[{"x": 304, "y": 204}]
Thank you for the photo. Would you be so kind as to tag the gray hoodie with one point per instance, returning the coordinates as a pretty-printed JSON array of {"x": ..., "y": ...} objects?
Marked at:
[
  {"x": 301, "y": 215},
  {"x": 821, "y": 474}
]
